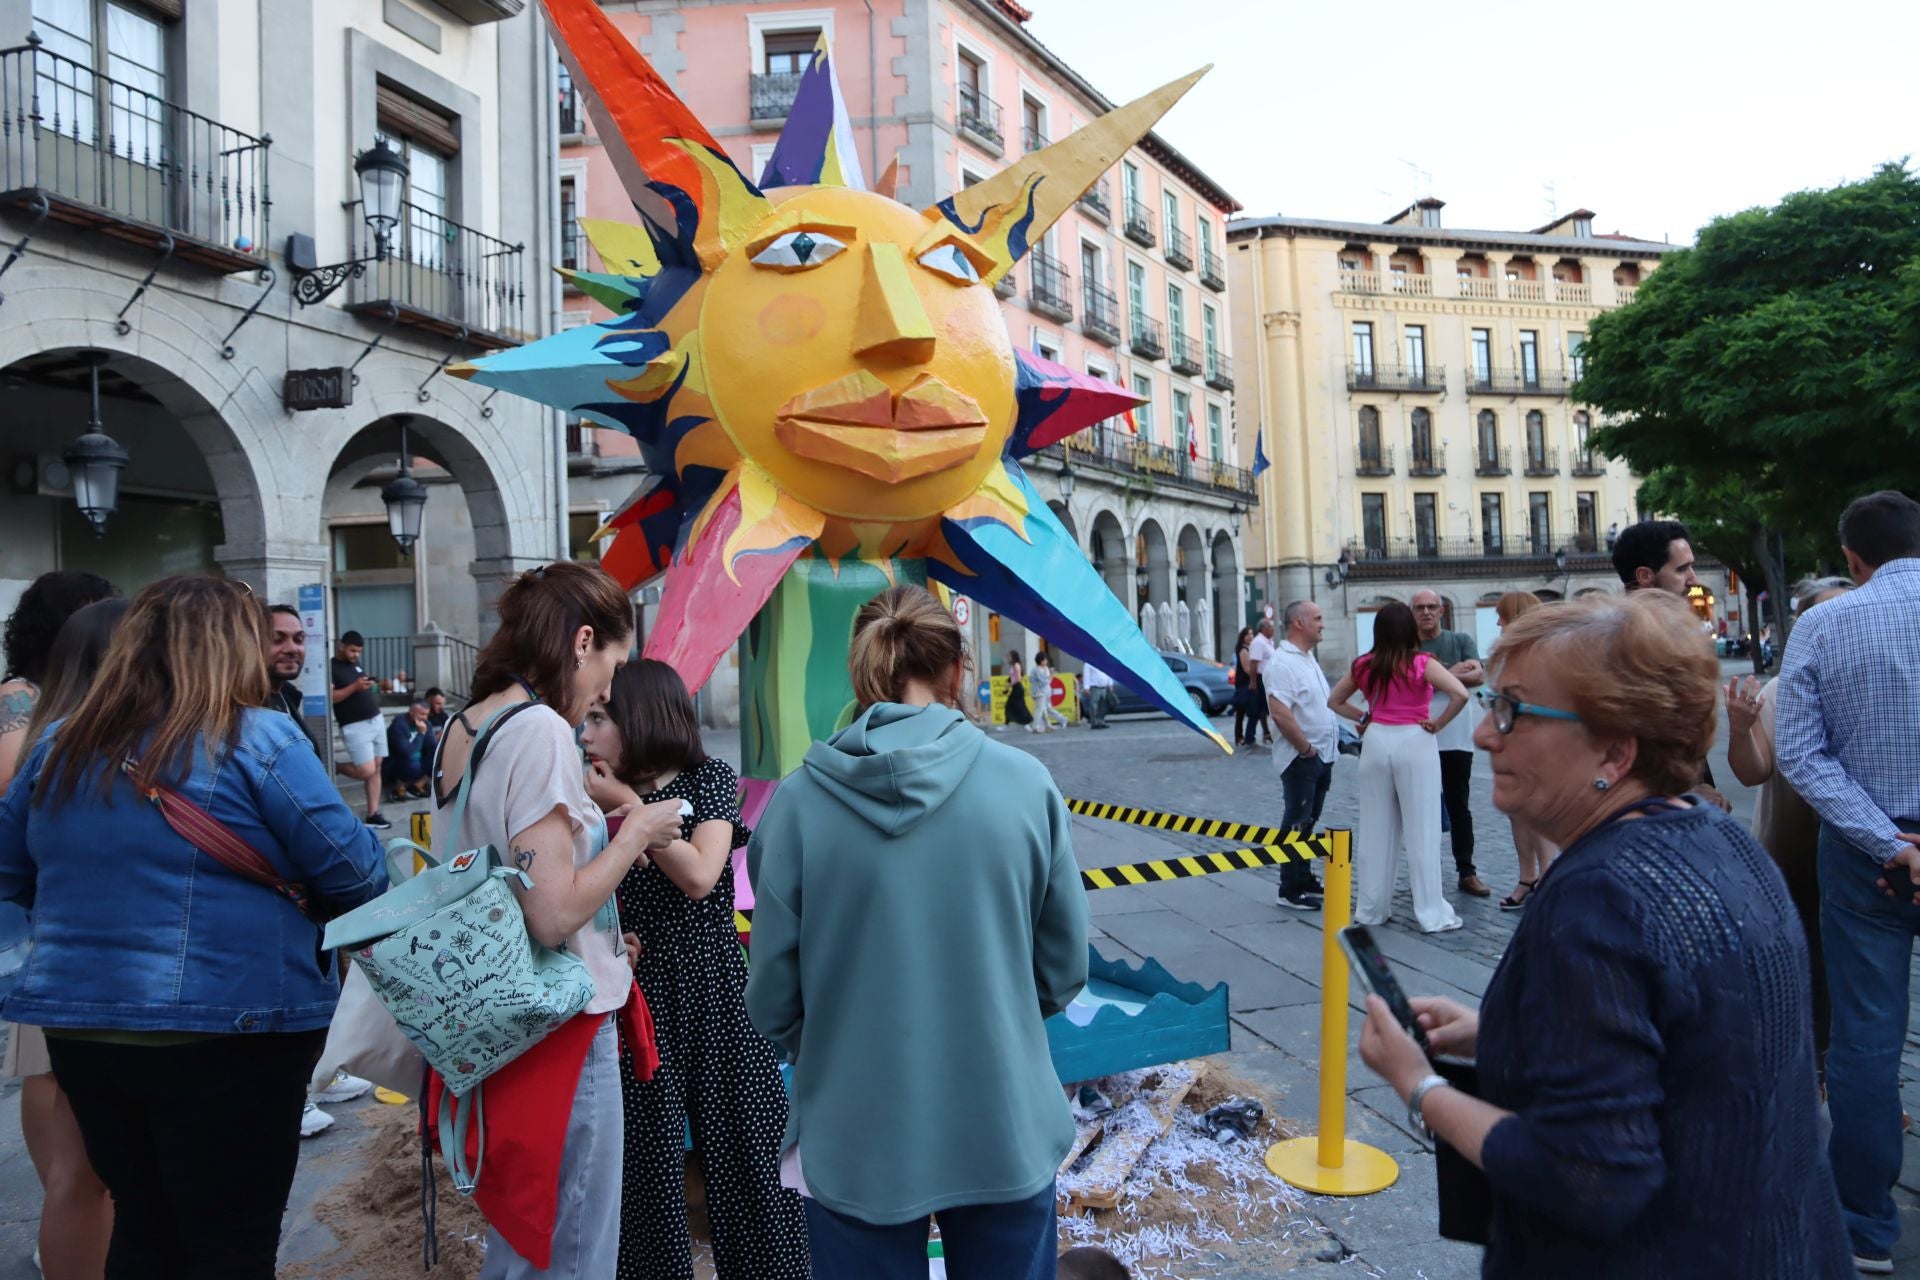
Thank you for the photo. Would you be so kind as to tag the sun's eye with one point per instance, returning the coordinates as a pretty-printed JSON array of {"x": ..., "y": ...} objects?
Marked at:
[
  {"x": 798, "y": 250},
  {"x": 951, "y": 263}
]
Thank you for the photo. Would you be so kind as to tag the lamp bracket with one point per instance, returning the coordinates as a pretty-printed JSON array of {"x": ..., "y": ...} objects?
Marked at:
[
  {"x": 40, "y": 206},
  {"x": 393, "y": 318},
  {"x": 445, "y": 360},
  {"x": 315, "y": 285},
  {"x": 267, "y": 278},
  {"x": 121, "y": 325}
]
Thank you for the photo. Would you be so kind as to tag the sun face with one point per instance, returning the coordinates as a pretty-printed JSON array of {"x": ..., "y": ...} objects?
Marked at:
[{"x": 851, "y": 350}]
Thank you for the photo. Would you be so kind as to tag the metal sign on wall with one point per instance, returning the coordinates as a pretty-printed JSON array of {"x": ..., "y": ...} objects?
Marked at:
[{"x": 318, "y": 389}]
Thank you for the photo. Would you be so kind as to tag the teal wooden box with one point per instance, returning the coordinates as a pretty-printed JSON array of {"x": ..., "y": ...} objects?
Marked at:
[{"x": 1141, "y": 1017}]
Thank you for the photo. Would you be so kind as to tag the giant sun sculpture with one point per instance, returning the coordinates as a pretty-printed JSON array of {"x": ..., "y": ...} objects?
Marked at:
[{"x": 824, "y": 393}]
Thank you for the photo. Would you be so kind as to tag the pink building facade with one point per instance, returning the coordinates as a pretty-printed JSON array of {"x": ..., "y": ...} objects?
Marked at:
[{"x": 1130, "y": 285}]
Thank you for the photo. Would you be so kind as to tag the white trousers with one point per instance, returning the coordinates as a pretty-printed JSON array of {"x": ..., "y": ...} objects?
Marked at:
[{"x": 1400, "y": 800}]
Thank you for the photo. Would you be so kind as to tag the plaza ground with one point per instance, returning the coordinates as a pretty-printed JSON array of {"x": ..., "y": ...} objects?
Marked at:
[{"x": 1220, "y": 928}]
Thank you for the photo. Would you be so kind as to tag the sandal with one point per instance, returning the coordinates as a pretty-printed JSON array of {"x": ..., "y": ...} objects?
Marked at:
[{"x": 1516, "y": 900}]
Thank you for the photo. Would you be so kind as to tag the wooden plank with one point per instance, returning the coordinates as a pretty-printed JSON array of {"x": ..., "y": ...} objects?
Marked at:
[
  {"x": 1130, "y": 1130},
  {"x": 1084, "y": 1133}
]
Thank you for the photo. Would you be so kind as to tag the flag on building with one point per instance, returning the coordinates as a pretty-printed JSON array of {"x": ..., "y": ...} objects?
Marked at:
[
  {"x": 1132, "y": 425},
  {"x": 1193, "y": 439},
  {"x": 1260, "y": 462}
]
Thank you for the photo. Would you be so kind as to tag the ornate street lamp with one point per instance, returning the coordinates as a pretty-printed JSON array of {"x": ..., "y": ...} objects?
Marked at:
[
  {"x": 1180, "y": 581},
  {"x": 405, "y": 499},
  {"x": 1066, "y": 483},
  {"x": 95, "y": 461},
  {"x": 383, "y": 180},
  {"x": 1140, "y": 580}
]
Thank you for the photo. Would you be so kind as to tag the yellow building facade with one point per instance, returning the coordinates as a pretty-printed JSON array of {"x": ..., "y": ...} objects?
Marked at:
[{"x": 1410, "y": 385}]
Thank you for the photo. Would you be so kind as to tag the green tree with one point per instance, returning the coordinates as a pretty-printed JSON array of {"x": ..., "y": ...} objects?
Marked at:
[{"x": 1767, "y": 375}]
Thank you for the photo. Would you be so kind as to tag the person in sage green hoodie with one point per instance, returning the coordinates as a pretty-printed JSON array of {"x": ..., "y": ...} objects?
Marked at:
[{"x": 919, "y": 915}]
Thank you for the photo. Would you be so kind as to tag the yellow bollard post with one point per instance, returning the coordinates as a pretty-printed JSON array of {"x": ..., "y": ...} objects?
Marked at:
[{"x": 1329, "y": 1164}]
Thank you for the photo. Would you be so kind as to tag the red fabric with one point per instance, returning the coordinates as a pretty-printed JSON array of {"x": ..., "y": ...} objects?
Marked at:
[{"x": 525, "y": 1106}]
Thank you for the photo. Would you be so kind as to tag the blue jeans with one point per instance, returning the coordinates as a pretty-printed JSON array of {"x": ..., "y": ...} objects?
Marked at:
[
  {"x": 1869, "y": 946},
  {"x": 1303, "y": 788},
  {"x": 1017, "y": 1241}
]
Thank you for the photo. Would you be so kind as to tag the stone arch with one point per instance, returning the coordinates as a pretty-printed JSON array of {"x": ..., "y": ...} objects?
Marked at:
[
  {"x": 1064, "y": 515},
  {"x": 1229, "y": 615},
  {"x": 1151, "y": 550},
  {"x": 1112, "y": 555}
]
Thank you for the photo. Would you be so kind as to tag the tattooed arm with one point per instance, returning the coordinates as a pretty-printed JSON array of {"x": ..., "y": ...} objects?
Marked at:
[
  {"x": 16, "y": 709},
  {"x": 564, "y": 897}
]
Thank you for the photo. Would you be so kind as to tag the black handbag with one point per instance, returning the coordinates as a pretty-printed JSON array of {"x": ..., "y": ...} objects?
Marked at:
[{"x": 1466, "y": 1197}]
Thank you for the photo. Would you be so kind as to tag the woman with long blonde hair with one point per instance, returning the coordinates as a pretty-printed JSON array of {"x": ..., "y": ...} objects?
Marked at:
[
  {"x": 1534, "y": 851},
  {"x": 157, "y": 965}
]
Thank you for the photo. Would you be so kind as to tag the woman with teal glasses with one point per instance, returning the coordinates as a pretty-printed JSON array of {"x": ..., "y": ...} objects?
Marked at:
[{"x": 1645, "y": 1101}]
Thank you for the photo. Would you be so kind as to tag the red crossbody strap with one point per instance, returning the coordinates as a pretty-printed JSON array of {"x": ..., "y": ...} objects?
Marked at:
[{"x": 212, "y": 837}]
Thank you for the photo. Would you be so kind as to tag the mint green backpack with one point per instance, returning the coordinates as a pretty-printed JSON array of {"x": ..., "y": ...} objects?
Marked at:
[{"x": 448, "y": 953}]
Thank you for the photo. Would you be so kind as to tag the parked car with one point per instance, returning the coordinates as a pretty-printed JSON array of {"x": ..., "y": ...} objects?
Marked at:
[{"x": 1208, "y": 683}]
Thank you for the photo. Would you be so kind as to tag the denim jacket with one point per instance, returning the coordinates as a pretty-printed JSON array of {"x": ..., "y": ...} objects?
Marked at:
[{"x": 135, "y": 929}]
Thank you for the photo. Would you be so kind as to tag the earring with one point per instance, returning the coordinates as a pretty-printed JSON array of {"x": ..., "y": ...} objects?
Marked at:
[
  {"x": 578, "y": 663},
  {"x": 1601, "y": 784}
]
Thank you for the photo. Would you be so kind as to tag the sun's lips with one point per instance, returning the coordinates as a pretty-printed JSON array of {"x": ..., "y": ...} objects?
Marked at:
[{"x": 857, "y": 422}]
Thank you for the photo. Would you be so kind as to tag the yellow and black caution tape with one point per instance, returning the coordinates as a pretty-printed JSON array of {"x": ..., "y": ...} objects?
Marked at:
[
  {"x": 1218, "y": 828},
  {"x": 1289, "y": 848}
]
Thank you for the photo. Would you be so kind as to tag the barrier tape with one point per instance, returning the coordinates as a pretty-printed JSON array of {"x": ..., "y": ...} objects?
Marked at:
[
  {"x": 1291, "y": 848},
  {"x": 1214, "y": 827}
]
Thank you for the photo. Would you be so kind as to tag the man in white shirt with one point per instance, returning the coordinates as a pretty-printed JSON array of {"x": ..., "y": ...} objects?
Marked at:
[
  {"x": 1296, "y": 693},
  {"x": 1097, "y": 687},
  {"x": 1259, "y": 649}
]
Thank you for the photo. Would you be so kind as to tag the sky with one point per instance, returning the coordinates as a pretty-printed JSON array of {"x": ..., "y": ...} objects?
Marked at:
[{"x": 1657, "y": 116}]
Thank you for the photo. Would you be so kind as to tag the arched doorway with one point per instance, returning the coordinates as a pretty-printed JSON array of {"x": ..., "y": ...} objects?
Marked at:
[
  {"x": 1228, "y": 614},
  {"x": 1111, "y": 557},
  {"x": 1194, "y": 609},
  {"x": 1150, "y": 549}
]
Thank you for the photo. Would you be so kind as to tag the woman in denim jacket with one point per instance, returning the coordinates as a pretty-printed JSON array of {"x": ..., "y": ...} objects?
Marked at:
[{"x": 155, "y": 969}]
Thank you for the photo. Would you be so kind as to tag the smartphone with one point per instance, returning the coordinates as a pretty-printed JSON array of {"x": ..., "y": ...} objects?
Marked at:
[{"x": 1371, "y": 968}]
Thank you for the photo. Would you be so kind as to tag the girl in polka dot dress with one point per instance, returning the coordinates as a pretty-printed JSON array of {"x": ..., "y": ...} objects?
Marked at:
[{"x": 716, "y": 1072}]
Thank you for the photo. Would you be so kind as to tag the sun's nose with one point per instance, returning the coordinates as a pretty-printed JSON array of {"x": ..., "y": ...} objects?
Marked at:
[{"x": 892, "y": 324}]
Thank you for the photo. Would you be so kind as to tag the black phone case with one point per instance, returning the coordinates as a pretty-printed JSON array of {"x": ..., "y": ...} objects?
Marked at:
[{"x": 1466, "y": 1197}]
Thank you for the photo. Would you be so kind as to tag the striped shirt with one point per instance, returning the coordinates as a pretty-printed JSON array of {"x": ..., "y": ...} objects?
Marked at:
[{"x": 1849, "y": 713}]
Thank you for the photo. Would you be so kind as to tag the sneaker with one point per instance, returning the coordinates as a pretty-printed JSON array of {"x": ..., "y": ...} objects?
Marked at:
[
  {"x": 342, "y": 1088},
  {"x": 1299, "y": 900},
  {"x": 377, "y": 821},
  {"x": 1873, "y": 1264},
  {"x": 313, "y": 1120}
]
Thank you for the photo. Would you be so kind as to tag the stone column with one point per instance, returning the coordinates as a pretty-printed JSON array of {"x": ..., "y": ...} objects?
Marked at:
[
  {"x": 275, "y": 568},
  {"x": 492, "y": 576}
]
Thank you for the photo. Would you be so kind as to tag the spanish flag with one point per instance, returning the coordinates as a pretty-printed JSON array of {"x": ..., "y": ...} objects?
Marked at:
[{"x": 1131, "y": 424}]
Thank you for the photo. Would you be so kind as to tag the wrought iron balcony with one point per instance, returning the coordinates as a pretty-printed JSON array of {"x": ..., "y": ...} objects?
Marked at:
[
  {"x": 1112, "y": 448},
  {"x": 1048, "y": 286},
  {"x": 1477, "y": 555},
  {"x": 1588, "y": 464},
  {"x": 1374, "y": 461},
  {"x": 1219, "y": 372},
  {"x": 576, "y": 252},
  {"x": 1031, "y": 139},
  {"x": 1427, "y": 463},
  {"x": 1179, "y": 249},
  {"x": 442, "y": 277},
  {"x": 1148, "y": 341},
  {"x": 1097, "y": 200},
  {"x": 770, "y": 97},
  {"x": 83, "y": 148},
  {"x": 1518, "y": 382},
  {"x": 1006, "y": 286},
  {"x": 1213, "y": 272},
  {"x": 1099, "y": 313},
  {"x": 1396, "y": 377},
  {"x": 1186, "y": 354},
  {"x": 1543, "y": 462},
  {"x": 1139, "y": 224},
  {"x": 573, "y": 116},
  {"x": 1497, "y": 461},
  {"x": 980, "y": 119}
]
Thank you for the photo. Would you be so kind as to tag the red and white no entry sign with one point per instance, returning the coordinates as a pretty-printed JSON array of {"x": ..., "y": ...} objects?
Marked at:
[{"x": 962, "y": 610}]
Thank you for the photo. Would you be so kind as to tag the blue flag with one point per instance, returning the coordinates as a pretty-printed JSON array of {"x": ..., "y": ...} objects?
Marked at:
[{"x": 1260, "y": 462}]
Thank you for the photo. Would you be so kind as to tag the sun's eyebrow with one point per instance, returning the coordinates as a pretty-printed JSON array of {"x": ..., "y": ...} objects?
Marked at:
[
  {"x": 944, "y": 232},
  {"x": 796, "y": 219}
]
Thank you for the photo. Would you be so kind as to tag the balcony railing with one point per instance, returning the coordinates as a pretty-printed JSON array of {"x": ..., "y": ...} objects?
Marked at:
[
  {"x": 1411, "y": 284},
  {"x": 1588, "y": 465},
  {"x": 1185, "y": 354},
  {"x": 1032, "y": 139},
  {"x": 1625, "y": 293},
  {"x": 1114, "y": 449},
  {"x": 1219, "y": 372},
  {"x": 1518, "y": 382},
  {"x": 1097, "y": 200},
  {"x": 1148, "y": 342},
  {"x": 770, "y": 97},
  {"x": 574, "y": 248},
  {"x": 1427, "y": 463},
  {"x": 1543, "y": 462},
  {"x": 442, "y": 277},
  {"x": 1213, "y": 272},
  {"x": 1139, "y": 224},
  {"x": 1179, "y": 249},
  {"x": 1359, "y": 281},
  {"x": 1373, "y": 462},
  {"x": 1006, "y": 286},
  {"x": 1479, "y": 287},
  {"x": 107, "y": 155},
  {"x": 573, "y": 117},
  {"x": 1526, "y": 291},
  {"x": 980, "y": 117},
  {"x": 1361, "y": 554},
  {"x": 1573, "y": 291},
  {"x": 1497, "y": 461},
  {"x": 1395, "y": 377},
  {"x": 1099, "y": 313},
  {"x": 1049, "y": 288}
]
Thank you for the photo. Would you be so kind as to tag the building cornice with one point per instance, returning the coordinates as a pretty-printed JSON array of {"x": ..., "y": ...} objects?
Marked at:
[{"x": 1442, "y": 237}]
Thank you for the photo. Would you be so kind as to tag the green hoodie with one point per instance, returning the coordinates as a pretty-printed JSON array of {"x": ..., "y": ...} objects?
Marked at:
[{"x": 918, "y": 916}]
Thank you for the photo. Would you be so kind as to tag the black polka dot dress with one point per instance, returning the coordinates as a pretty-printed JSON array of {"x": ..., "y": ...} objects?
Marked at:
[{"x": 716, "y": 1072}]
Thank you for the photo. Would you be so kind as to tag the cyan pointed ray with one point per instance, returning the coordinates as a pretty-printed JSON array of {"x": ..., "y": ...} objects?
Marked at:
[
  {"x": 1043, "y": 582},
  {"x": 571, "y": 369},
  {"x": 816, "y": 146},
  {"x": 1055, "y": 402}
]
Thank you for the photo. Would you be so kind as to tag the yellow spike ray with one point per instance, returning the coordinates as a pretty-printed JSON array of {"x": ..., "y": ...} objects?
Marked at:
[
  {"x": 769, "y": 519},
  {"x": 730, "y": 209},
  {"x": 997, "y": 498},
  {"x": 1068, "y": 168},
  {"x": 624, "y": 249},
  {"x": 889, "y": 181}
]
